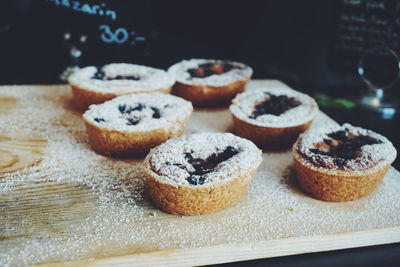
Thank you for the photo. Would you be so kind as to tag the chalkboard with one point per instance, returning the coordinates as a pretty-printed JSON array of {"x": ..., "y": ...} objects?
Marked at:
[
  {"x": 363, "y": 24},
  {"x": 104, "y": 30},
  {"x": 110, "y": 20}
]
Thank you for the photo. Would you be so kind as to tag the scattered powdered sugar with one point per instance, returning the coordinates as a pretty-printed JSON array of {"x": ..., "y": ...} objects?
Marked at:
[
  {"x": 139, "y": 112},
  {"x": 180, "y": 72},
  {"x": 244, "y": 104},
  {"x": 76, "y": 204},
  {"x": 369, "y": 155},
  {"x": 168, "y": 159},
  {"x": 150, "y": 79}
]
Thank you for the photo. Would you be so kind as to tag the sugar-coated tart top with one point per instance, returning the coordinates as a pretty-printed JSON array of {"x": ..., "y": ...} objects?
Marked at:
[
  {"x": 344, "y": 147},
  {"x": 203, "y": 158},
  {"x": 274, "y": 107},
  {"x": 210, "y": 72},
  {"x": 121, "y": 78},
  {"x": 139, "y": 112}
]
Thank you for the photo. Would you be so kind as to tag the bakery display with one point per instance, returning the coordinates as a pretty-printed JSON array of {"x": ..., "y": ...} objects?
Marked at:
[
  {"x": 209, "y": 82},
  {"x": 272, "y": 117},
  {"x": 94, "y": 85},
  {"x": 341, "y": 163},
  {"x": 201, "y": 173},
  {"x": 130, "y": 125}
]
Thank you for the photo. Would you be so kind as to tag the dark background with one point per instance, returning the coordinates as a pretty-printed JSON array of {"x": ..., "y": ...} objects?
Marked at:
[
  {"x": 312, "y": 45},
  {"x": 300, "y": 42}
]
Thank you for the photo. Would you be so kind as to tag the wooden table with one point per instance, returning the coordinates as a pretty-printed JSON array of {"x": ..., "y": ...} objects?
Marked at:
[{"x": 62, "y": 204}]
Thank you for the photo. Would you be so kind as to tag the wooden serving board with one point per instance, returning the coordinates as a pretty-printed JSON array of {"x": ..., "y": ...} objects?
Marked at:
[{"x": 62, "y": 204}]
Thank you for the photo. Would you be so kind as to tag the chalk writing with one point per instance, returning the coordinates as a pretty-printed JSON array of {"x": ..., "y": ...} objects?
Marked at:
[
  {"x": 82, "y": 7},
  {"x": 119, "y": 36},
  {"x": 115, "y": 35},
  {"x": 363, "y": 24}
]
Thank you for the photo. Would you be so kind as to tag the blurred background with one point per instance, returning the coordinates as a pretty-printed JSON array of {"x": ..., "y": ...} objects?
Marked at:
[{"x": 314, "y": 46}]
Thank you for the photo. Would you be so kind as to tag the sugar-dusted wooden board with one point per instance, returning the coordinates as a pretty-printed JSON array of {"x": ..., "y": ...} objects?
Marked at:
[{"x": 62, "y": 204}]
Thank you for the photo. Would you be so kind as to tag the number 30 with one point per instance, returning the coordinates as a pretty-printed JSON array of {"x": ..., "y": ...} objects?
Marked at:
[{"x": 119, "y": 36}]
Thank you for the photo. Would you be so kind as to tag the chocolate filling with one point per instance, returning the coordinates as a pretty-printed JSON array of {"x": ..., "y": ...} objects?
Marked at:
[
  {"x": 100, "y": 75},
  {"x": 207, "y": 69},
  {"x": 343, "y": 146},
  {"x": 204, "y": 166},
  {"x": 275, "y": 105}
]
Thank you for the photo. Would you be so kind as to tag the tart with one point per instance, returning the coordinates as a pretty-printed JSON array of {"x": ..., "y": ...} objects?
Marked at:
[
  {"x": 272, "y": 118},
  {"x": 94, "y": 85},
  {"x": 341, "y": 163},
  {"x": 130, "y": 125},
  {"x": 201, "y": 173},
  {"x": 209, "y": 82}
]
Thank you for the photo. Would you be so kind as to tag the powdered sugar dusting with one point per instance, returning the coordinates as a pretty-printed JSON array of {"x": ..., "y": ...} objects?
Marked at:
[
  {"x": 180, "y": 72},
  {"x": 150, "y": 79},
  {"x": 201, "y": 146},
  {"x": 370, "y": 155},
  {"x": 148, "y": 111},
  {"x": 244, "y": 104},
  {"x": 77, "y": 204}
]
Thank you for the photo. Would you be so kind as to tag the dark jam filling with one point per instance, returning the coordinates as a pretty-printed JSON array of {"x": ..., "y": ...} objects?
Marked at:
[
  {"x": 204, "y": 166},
  {"x": 99, "y": 120},
  {"x": 207, "y": 69},
  {"x": 156, "y": 113},
  {"x": 100, "y": 75},
  {"x": 275, "y": 105},
  {"x": 133, "y": 120},
  {"x": 343, "y": 146},
  {"x": 127, "y": 109}
]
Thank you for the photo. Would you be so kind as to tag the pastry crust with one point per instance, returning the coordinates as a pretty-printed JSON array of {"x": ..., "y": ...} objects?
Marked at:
[
  {"x": 84, "y": 97},
  {"x": 333, "y": 177},
  {"x": 272, "y": 130},
  {"x": 337, "y": 186},
  {"x": 130, "y": 125},
  {"x": 196, "y": 200},
  {"x": 207, "y": 95},
  {"x": 209, "y": 82},
  {"x": 201, "y": 173},
  {"x": 269, "y": 137},
  {"x": 130, "y": 144},
  {"x": 95, "y": 85}
]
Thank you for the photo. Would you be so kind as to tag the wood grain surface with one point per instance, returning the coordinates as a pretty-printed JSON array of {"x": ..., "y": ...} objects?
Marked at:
[{"x": 61, "y": 204}]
